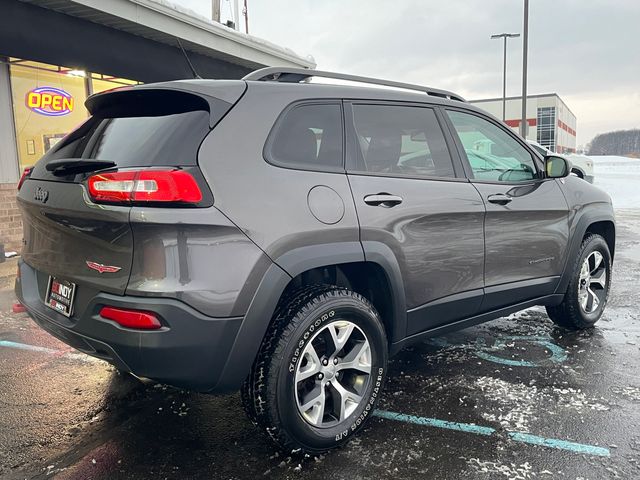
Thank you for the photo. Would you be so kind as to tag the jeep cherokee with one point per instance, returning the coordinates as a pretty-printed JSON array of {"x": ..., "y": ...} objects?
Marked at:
[{"x": 285, "y": 237}]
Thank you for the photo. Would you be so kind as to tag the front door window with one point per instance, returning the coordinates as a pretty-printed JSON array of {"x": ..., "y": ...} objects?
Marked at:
[{"x": 492, "y": 153}]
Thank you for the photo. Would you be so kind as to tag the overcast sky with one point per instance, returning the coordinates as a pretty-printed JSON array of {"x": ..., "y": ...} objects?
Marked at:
[{"x": 587, "y": 51}]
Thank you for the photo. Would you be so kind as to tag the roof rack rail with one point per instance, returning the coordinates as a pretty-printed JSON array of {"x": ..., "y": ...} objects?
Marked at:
[{"x": 296, "y": 75}]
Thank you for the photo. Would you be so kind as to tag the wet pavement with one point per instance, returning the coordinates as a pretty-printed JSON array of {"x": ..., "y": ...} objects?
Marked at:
[{"x": 515, "y": 398}]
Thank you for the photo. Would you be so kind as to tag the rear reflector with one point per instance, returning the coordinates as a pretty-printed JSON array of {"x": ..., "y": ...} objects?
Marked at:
[
  {"x": 25, "y": 174},
  {"x": 144, "y": 186},
  {"x": 137, "y": 319},
  {"x": 18, "y": 308}
]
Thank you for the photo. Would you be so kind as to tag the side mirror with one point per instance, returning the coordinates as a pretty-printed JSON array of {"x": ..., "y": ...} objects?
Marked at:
[{"x": 556, "y": 167}]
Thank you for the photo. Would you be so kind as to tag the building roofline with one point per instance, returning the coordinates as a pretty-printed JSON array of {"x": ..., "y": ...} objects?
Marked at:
[
  {"x": 518, "y": 97},
  {"x": 162, "y": 21}
]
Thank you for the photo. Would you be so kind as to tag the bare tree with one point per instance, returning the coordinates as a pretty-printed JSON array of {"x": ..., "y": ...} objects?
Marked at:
[{"x": 620, "y": 142}]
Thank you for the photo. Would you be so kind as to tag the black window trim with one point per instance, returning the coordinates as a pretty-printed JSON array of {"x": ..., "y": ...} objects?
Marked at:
[
  {"x": 351, "y": 136},
  {"x": 275, "y": 128},
  {"x": 463, "y": 155}
]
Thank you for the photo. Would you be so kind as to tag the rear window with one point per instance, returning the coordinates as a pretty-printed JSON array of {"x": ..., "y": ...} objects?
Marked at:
[{"x": 160, "y": 128}]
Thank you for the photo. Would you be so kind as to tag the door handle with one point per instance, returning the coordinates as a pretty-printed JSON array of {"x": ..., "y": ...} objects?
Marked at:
[
  {"x": 383, "y": 200},
  {"x": 499, "y": 198}
]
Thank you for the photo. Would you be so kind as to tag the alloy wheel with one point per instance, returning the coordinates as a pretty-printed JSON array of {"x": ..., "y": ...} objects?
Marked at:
[
  {"x": 592, "y": 284},
  {"x": 333, "y": 374}
]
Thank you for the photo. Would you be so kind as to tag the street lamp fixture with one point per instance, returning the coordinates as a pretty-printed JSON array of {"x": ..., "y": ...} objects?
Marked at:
[{"x": 504, "y": 69}]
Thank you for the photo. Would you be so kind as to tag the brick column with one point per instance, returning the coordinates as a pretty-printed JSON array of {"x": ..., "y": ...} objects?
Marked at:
[{"x": 10, "y": 221}]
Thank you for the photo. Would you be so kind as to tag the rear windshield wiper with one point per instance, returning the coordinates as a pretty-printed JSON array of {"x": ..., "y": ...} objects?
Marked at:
[{"x": 72, "y": 166}]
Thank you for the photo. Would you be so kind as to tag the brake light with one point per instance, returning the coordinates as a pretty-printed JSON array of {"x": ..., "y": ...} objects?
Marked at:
[
  {"x": 144, "y": 186},
  {"x": 136, "y": 319},
  {"x": 25, "y": 174}
]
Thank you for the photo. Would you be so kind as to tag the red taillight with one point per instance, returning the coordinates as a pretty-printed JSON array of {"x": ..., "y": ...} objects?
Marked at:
[
  {"x": 137, "y": 319},
  {"x": 144, "y": 186},
  {"x": 25, "y": 174}
]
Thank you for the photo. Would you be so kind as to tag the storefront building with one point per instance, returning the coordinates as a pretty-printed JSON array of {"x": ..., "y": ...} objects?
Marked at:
[
  {"x": 55, "y": 53},
  {"x": 48, "y": 102},
  {"x": 550, "y": 122}
]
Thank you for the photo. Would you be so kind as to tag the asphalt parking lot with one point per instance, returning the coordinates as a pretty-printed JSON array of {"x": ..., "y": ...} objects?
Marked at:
[{"x": 515, "y": 398}]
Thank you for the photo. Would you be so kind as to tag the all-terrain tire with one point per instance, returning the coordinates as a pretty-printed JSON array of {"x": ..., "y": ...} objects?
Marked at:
[
  {"x": 270, "y": 392},
  {"x": 571, "y": 314}
]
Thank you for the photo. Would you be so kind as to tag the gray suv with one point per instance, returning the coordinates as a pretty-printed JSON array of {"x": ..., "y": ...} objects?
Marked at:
[{"x": 284, "y": 238}]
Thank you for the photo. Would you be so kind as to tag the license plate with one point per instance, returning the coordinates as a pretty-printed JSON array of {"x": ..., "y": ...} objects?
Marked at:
[{"x": 60, "y": 294}]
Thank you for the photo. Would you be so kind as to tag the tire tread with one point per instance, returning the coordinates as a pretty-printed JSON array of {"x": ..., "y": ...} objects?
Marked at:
[
  {"x": 568, "y": 314},
  {"x": 259, "y": 400}
]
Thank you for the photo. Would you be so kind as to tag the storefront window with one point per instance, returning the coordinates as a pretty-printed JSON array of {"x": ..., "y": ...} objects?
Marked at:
[
  {"x": 102, "y": 82},
  {"x": 48, "y": 103},
  {"x": 46, "y": 106}
]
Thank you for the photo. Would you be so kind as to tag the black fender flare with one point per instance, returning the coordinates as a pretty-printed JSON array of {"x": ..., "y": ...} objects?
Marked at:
[
  {"x": 276, "y": 279},
  {"x": 381, "y": 254},
  {"x": 302, "y": 259},
  {"x": 591, "y": 215}
]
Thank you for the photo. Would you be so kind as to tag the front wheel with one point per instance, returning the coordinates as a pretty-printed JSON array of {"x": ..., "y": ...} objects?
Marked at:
[
  {"x": 319, "y": 371},
  {"x": 588, "y": 289}
]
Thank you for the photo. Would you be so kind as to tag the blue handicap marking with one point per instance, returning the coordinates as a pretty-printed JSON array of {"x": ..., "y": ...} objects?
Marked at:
[
  {"x": 439, "y": 342},
  {"x": 522, "y": 437},
  {"x": 492, "y": 353}
]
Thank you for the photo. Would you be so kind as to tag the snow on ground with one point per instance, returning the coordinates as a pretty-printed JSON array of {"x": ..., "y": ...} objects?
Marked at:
[{"x": 619, "y": 177}]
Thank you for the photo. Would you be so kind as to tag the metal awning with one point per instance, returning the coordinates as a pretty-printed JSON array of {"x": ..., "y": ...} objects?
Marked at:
[{"x": 133, "y": 39}]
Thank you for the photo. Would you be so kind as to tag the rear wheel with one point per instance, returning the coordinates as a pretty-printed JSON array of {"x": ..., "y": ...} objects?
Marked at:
[
  {"x": 319, "y": 371},
  {"x": 588, "y": 289}
]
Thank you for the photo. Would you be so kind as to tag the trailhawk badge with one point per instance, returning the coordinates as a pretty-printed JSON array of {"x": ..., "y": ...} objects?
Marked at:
[{"x": 100, "y": 268}]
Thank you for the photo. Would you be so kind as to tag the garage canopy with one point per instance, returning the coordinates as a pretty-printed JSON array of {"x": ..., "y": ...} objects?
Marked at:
[{"x": 137, "y": 39}]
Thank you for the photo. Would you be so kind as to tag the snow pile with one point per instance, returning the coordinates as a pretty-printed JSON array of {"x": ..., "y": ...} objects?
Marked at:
[{"x": 619, "y": 177}]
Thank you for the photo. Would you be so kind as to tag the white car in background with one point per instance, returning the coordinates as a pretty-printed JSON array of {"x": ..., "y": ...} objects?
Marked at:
[{"x": 581, "y": 165}]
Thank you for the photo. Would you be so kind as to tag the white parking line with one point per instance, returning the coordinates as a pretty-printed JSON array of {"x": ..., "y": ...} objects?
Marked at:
[{"x": 51, "y": 351}]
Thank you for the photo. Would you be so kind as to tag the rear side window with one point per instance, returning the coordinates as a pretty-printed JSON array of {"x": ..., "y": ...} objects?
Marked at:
[
  {"x": 308, "y": 137},
  {"x": 400, "y": 140},
  {"x": 145, "y": 129}
]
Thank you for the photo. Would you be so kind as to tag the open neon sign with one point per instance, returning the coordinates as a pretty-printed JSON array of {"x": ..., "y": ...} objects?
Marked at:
[{"x": 49, "y": 101}]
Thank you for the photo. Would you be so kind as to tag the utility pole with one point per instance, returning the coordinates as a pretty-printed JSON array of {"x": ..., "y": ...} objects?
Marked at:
[
  {"x": 525, "y": 46},
  {"x": 215, "y": 10},
  {"x": 236, "y": 14},
  {"x": 504, "y": 69},
  {"x": 245, "y": 12}
]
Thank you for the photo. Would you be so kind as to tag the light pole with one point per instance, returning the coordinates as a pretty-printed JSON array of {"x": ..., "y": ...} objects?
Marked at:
[
  {"x": 525, "y": 45},
  {"x": 504, "y": 70}
]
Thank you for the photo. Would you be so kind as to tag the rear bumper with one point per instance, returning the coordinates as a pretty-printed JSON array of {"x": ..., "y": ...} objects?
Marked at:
[{"x": 191, "y": 350}]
